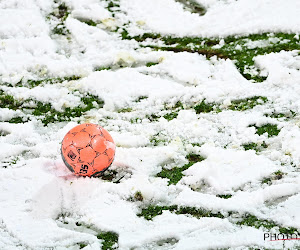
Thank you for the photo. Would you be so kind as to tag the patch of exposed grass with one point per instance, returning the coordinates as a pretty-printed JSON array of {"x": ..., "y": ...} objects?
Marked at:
[
  {"x": 287, "y": 115},
  {"x": 142, "y": 37},
  {"x": 248, "y": 103},
  {"x": 158, "y": 139},
  {"x": 270, "y": 129},
  {"x": 224, "y": 196},
  {"x": 18, "y": 120},
  {"x": 255, "y": 146},
  {"x": 150, "y": 212},
  {"x": 113, "y": 6},
  {"x": 60, "y": 14},
  {"x": 204, "y": 107},
  {"x": 175, "y": 174},
  {"x": 82, "y": 245},
  {"x": 138, "y": 196},
  {"x": 51, "y": 115},
  {"x": 149, "y": 64},
  {"x": 125, "y": 110},
  {"x": 253, "y": 221},
  {"x": 266, "y": 180},
  {"x": 238, "y": 49},
  {"x": 60, "y": 29},
  {"x": 175, "y": 110},
  {"x": 89, "y": 22},
  {"x": 34, "y": 83},
  {"x": 278, "y": 175},
  {"x": 110, "y": 240},
  {"x": 170, "y": 116},
  {"x": 152, "y": 117},
  {"x": 8, "y": 101},
  {"x": 140, "y": 98},
  {"x": 102, "y": 68},
  {"x": 46, "y": 112},
  {"x": 10, "y": 161}
]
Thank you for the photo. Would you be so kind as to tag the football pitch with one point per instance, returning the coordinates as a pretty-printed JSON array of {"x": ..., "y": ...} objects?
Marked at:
[{"x": 201, "y": 98}]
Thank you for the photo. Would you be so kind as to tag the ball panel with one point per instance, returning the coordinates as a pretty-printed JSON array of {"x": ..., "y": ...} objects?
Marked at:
[
  {"x": 83, "y": 169},
  {"x": 81, "y": 139},
  {"x": 67, "y": 141},
  {"x": 87, "y": 154},
  {"x": 110, "y": 153},
  {"x": 107, "y": 135},
  {"x": 93, "y": 129},
  {"x": 78, "y": 128},
  {"x": 101, "y": 162},
  {"x": 98, "y": 144},
  {"x": 71, "y": 154}
]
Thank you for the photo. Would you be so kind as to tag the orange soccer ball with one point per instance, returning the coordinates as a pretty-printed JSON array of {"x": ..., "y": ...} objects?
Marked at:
[{"x": 88, "y": 150}]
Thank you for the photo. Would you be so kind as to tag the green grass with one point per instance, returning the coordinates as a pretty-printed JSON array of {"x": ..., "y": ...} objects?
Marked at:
[
  {"x": 224, "y": 196},
  {"x": 243, "y": 57},
  {"x": 45, "y": 112},
  {"x": 18, "y": 120},
  {"x": 287, "y": 115},
  {"x": 151, "y": 211},
  {"x": 113, "y": 6},
  {"x": 8, "y": 101},
  {"x": 158, "y": 139},
  {"x": 248, "y": 103},
  {"x": 152, "y": 117},
  {"x": 174, "y": 111},
  {"x": 255, "y": 146},
  {"x": 102, "y": 68},
  {"x": 60, "y": 14},
  {"x": 204, "y": 107},
  {"x": 170, "y": 116},
  {"x": 270, "y": 129},
  {"x": 140, "y": 98},
  {"x": 278, "y": 175},
  {"x": 175, "y": 174},
  {"x": 82, "y": 245},
  {"x": 110, "y": 239},
  {"x": 125, "y": 110},
  {"x": 252, "y": 221},
  {"x": 149, "y": 64},
  {"x": 50, "y": 115},
  {"x": 89, "y": 22},
  {"x": 138, "y": 196},
  {"x": 34, "y": 83},
  {"x": 60, "y": 29}
]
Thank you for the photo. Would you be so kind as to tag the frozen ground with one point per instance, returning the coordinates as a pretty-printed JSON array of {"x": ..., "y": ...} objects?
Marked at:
[{"x": 202, "y": 99}]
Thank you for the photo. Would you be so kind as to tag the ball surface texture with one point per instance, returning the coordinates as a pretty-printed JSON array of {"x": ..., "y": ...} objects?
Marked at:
[{"x": 88, "y": 149}]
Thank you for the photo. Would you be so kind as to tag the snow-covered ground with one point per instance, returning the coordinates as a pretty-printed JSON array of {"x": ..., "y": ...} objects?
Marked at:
[{"x": 77, "y": 46}]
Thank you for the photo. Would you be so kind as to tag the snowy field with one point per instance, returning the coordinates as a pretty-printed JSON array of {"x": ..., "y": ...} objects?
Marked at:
[{"x": 202, "y": 98}]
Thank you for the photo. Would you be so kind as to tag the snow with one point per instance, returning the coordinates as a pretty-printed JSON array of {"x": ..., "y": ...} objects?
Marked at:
[
  {"x": 42, "y": 203},
  {"x": 220, "y": 165},
  {"x": 221, "y": 19}
]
